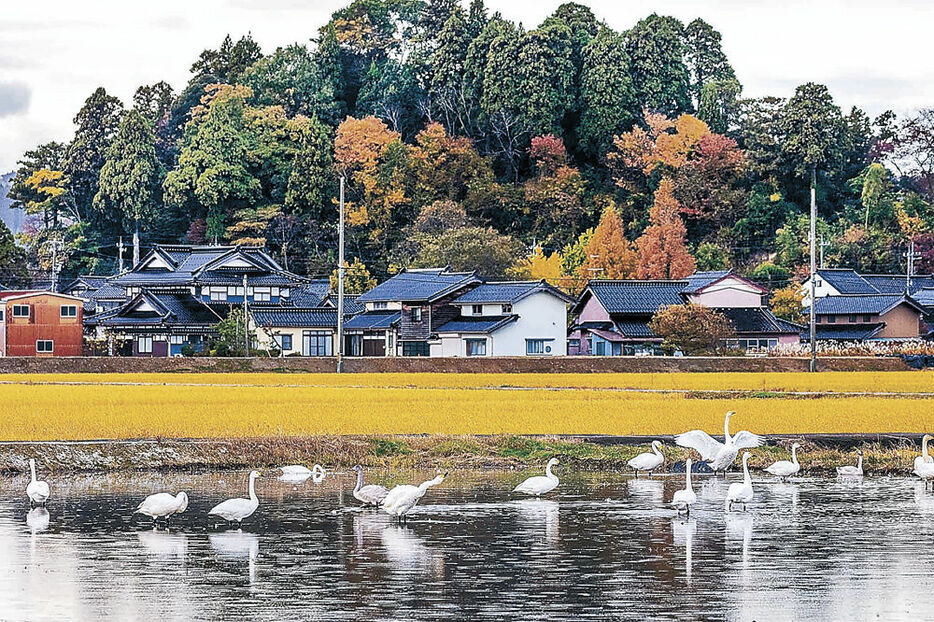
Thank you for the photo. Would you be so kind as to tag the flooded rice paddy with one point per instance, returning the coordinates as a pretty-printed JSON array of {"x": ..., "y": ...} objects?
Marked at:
[{"x": 601, "y": 547}]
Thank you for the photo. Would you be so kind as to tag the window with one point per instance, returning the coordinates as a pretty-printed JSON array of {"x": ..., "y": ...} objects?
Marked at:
[
  {"x": 176, "y": 340},
  {"x": 476, "y": 309},
  {"x": 275, "y": 292},
  {"x": 20, "y": 310},
  {"x": 534, "y": 346},
  {"x": 218, "y": 294},
  {"x": 380, "y": 305},
  {"x": 232, "y": 290},
  {"x": 853, "y": 319},
  {"x": 68, "y": 311},
  {"x": 261, "y": 294},
  {"x": 144, "y": 345},
  {"x": 507, "y": 308},
  {"x": 476, "y": 347},
  {"x": 831, "y": 319},
  {"x": 867, "y": 318},
  {"x": 574, "y": 343},
  {"x": 316, "y": 343},
  {"x": 1, "y": 315},
  {"x": 45, "y": 346},
  {"x": 415, "y": 348},
  {"x": 600, "y": 348},
  {"x": 416, "y": 314},
  {"x": 284, "y": 342},
  {"x": 284, "y": 292}
]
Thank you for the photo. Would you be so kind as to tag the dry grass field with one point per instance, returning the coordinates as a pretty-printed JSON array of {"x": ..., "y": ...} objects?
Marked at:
[{"x": 120, "y": 406}]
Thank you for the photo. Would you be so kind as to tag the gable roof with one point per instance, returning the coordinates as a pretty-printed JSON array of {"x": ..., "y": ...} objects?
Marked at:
[
  {"x": 352, "y": 304},
  {"x": 845, "y": 332},
  {"x": 898, "y": 283},
  {"x": 311, "y": 294},
  {"x": 16, "y": 294},
  {"x": 508, "y": 292},
  {"x": 700, "y": 281},
  {"x": 846, "y": 281},
  {"x": 757, "y": 320},
  {"x": 876, "y": 304},
  {"x": 419, "y": 286},
  {"x": 924, "y": 297},
  {"x": 292, "y": 317},
  {"x": 633, "y": 297},
  {"x": 161, "y": 309}
]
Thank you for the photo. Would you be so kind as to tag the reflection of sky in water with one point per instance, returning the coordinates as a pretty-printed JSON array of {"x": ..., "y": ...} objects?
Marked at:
[{"x": 600, "y": 547}]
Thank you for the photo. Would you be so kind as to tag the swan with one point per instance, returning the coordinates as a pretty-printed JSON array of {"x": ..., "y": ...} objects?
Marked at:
[
  {"x": 685, "y": 498},
  {"x": 403, "y": 498},
  {"x": 371, "y": 494},
  {"x": 719, "y": 456},
  {"x": 235, "y": 510},
  {"x": 163, "y": 505},
  {"x": 740, "y": 492},
  {"x": 925, "y": 470},
  {"x": 783, "y": 468},
  {"x": 924, "y": 457},
  {"x": 318, "y": 473},
  {"x": 850, "y": 470},
  {"x": 648, "y": 461},
  {"x": 37, "y": 490},
  {"x": 540, "y": 484}
]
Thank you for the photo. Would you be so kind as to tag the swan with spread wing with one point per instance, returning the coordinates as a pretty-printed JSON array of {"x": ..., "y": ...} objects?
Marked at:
[{"x": 719, "y": 456}]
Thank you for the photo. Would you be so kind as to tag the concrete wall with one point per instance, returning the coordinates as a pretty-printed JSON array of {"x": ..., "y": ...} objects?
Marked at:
[{"x": 526, "y": 364}]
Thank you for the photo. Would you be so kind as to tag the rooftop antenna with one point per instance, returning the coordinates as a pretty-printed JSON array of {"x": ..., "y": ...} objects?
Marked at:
[{"x": 910, "y": 255}]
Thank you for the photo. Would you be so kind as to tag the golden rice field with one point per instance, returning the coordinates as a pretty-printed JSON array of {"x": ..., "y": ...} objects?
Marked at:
[{"x": 96, "y": 406}]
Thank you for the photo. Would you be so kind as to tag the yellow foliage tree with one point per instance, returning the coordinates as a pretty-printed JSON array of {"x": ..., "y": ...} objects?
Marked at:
[{"x": 541, "y": 267}]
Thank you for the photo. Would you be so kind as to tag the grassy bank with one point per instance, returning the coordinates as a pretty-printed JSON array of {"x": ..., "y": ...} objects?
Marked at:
[{"x": 230, "y": 406}]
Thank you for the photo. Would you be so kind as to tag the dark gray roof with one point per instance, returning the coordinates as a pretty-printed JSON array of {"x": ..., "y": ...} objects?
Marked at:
[
  {"x": 633, "y": 297},
  {"x": 700, "y": 280},
  {"x": 108, "y": 292},
  {"x": 419, "y": 286},
  {"x": 756, "y": 320},
  {"x": 845, "y": 332},
  {"x": 924, "y": 297},
  {"x": 898, "y": 283},
  {"x": 846, "y": 281},
  {"x": 373, "y": 320},
  {"x": 508, "y": 292},
  {"x": 169, "y": 310},
  {"x": 311, "y": 294},
  {"x": 635, "y": 329},
  {"x": 856, "y": 305},
  {"x": 291, "y": 317},
  {"x": 352, "y": 304},
  {"x": 477, "y": 324}
]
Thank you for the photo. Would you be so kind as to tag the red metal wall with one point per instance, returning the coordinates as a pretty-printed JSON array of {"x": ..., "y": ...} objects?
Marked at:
[{"x": 44, "y": 322}]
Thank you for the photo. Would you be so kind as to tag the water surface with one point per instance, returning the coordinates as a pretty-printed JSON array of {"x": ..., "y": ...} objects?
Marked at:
[{"x": 601, "y": 547}]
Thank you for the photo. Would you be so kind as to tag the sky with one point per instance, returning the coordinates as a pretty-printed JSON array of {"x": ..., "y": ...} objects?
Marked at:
[{"x": 870, "y": 54}]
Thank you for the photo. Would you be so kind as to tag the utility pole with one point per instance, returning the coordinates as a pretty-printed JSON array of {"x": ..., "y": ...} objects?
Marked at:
[
  {"x": 911, "y": 264},
  {"x": 120, "y": 255},
  {"x": 56, "y": 245},
  {"x": 340, "y": 284},
  {"x": 246, "y": 320},
  {"x": 136, "y": 244},
  {"x": 813, "y": 242},
  {"x": 822, "y": 245}
]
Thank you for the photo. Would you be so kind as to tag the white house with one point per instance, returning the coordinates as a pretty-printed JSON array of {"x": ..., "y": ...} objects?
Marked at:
[{"x": 511, "y": 318}]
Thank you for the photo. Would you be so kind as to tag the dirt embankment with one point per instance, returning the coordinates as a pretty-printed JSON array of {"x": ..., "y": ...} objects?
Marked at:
[{"x": 819, "y": 454}]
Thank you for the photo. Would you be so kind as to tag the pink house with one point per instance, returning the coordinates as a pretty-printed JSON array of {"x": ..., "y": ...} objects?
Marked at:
[{"x": 613, "y": 316}]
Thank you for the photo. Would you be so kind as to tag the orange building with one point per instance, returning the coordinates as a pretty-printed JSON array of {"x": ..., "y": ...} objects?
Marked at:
[{"x": 37, "y": 323}]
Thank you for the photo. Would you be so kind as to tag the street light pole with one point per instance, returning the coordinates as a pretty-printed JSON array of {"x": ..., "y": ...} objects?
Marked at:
[
  {"x": 813, "y": 244},
  {"x": 340, "y": 283}
]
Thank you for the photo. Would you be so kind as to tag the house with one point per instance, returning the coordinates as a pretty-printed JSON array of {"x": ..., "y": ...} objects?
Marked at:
[
  {"x": 846, "y": 281},
  {"x": 303, "y": 330},
  {"x": 511, "y": 318},
  {"x": 38, "y": 323},
  {"x": 176, "y": 294},
  {"x": 860, "y": 317},
  {"x": 402, "y": 314},
  {"x": 613, "y": 316}
]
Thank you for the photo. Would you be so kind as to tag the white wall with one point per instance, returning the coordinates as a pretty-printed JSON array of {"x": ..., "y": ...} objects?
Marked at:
[
  {"x": 729, "y": 292},
  {"x": 822, "y": 290}
]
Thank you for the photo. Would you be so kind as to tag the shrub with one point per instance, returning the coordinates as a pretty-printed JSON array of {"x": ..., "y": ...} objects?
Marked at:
[{"x": 692, "y": 328}]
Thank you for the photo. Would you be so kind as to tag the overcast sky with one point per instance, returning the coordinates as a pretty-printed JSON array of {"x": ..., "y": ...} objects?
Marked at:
[{"x": 871, "y": 54}]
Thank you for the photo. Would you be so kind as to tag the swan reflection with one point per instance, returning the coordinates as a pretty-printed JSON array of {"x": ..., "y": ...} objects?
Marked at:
[
  {"x": 682, "y": 534},
  {"x": 164, "y": 545},
  {"x": 540, "y": 516},
  {"x": 647, "y": 489},
  {"x": 739, "y": 527},
  {"x": 237, "y": 546},
  {"x": 407, "y": 552},
  {"x": 37, "y": 519}
]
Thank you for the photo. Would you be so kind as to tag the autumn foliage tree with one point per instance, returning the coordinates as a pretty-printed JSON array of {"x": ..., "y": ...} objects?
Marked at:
[
  {"x": 540, "y": 266},
  {"x": 609, "y": 253},
  {"x": 663, "y": 253},
  {"x": 691, "y": 328}
]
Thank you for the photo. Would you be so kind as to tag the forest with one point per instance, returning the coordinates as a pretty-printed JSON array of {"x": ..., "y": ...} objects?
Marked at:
[{"x": 566, "y": 152}]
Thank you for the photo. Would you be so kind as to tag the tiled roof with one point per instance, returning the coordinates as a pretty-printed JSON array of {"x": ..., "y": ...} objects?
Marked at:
[
  {"x": 700, "y": 280},
  {"x": 924, "y": 297},
  {"x": 373, "y": 320},
  {"x": 311, "y": 294},
  {"x": 845, "y": 332},
  {"x": 419, "y": 286},
  {"x": 634, "y": 297},
  {"x": 635, "y": 329},
  {"x": 108, "y": 292},
  {"x": 508, "y": 292},
  {"x": 847, "y": 281},
  {"x": 897, "y": 283},
  {"x": 869, "y": 304},
  {"x": 295, "y": 317},
  {"x": 352, "y": 304},
  {"x": 170, "y": 309},
  {"x": 756, "y": 320},
  {"x": 477, "y": 324}
]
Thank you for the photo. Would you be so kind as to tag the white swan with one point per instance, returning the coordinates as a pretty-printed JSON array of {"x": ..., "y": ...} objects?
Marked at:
[
  {"x": 740, "y": 492},
  {"x": 925, "y": 470},
  {"x": 719, "y": 456},
  {"x": 235, "y": 510},
  {"x": 163, "y": 505},
  {"x": 37, "y": 490},
  {"x": 850, "y": 470},
  {"x": 648, "y": 461},
  {"x": 925, "y": 456},
  {"x": 403, "y": 498},
  {"x": 372, "y": 494},
  {"x": 783, "y": 468},
  {"x": 685, "y": 498},
  {"x": 540, "y": 484}
]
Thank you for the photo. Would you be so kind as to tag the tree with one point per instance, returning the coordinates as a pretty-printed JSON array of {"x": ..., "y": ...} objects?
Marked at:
[
  {"x": 49, "y": 156},
  {"x": 770, "y": 276},
  {"x": 290, "y": 77},
  {"x": 609, "y": 254},
  {"x": 874, "y": 188},
  {"x": 913, "y": 151},
  {"x": 718, "y": 105},
  {"x": 443, "y": 166},
  {"x": 357, "y": 279},
  {"x": 229, "y": 61},
  {"x": 232, "y": 333},
  {"x": 98, "y": 122},
  {"x": 691, "y": 328},
  {"x": 391, "y": 92},
  {"x": 448, "y": 92},
  {"x": 13, "y": 270},
  {"x": 547, "y": 77},
  {"x": 705, "y": 58},
  {"x": 608, "y": 98},
  {"x": 656, "y": 56},
  {"x": 786, "y": 303},
  {"x": 485, "y": 250},
  {"x": 131, "y": 177},
  {"x": 251, "y": 225},
  {"x": 709, "y": 256},
  {"x": 310, "y": 188},
  {"x": 540, "y": 266},
  {"x": 662, "y": 250},
  {"x": 553, "y": 199},
  {"x": 574, "y": 254}
]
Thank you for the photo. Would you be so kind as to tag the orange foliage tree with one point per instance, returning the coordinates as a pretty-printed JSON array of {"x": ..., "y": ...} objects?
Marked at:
[
  {"x": 609, "y": 253},
  {"x": 663, "y": 253}
]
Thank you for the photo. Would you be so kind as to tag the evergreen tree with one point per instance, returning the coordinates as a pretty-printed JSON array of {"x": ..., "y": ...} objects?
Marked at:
[
  {"x": 607, "y": 95},
  {"x": 311, "y": 183},
  {"x": 229, "y": 61},
  {"x": 656, "y": 56},
  {"x": 547, "y": 77},
  {"x": 705, "y": 58}
]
